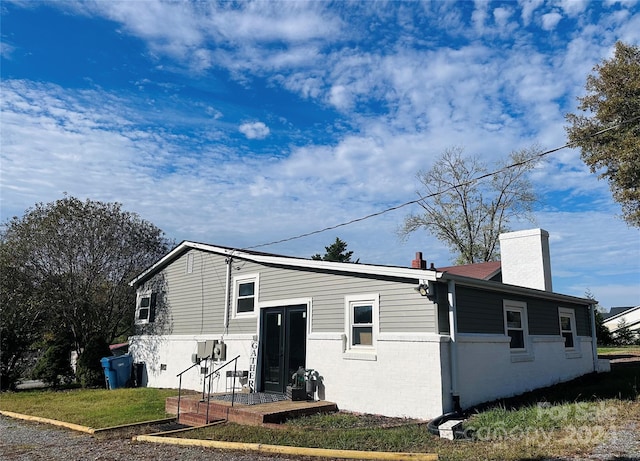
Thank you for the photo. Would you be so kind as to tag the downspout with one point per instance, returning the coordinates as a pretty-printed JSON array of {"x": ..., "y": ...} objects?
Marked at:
[
  {"x": 594, "y": 337},
  {"x": 453, "y": 344},
  {"x": 227, "y": 294}
]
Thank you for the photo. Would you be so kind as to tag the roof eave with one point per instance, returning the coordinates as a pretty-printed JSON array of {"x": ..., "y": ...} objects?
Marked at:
[
  {"x": 353, "y": 268},
  {"x": 515, "y": 289}
]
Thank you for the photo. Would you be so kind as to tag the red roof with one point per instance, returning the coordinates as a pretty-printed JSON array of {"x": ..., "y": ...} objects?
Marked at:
[{"x": 483, "y": 271}]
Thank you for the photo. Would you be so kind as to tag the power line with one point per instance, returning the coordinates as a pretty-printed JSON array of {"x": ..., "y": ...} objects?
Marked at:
[{"x": 422, "y": 198}]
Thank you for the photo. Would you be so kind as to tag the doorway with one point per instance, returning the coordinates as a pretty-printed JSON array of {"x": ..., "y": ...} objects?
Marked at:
[{"x": 284, "y": 345}]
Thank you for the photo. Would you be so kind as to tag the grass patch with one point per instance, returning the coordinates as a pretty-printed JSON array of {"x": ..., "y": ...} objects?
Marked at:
[
  {"x": 564, "y": 420},
  {"x": 619, "y": 350},
  {"x": 97, "y": 408}
]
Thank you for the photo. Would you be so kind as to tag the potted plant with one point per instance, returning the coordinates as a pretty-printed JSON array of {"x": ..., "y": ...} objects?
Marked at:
[{"x": 311, "y": 381}]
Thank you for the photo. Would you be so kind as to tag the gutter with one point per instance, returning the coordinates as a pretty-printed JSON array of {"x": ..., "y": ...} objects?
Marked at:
[
  {"x": 453, "y": 344},
  {"x": 594, "y": 338},
  {"x": 227, "y": 293}
]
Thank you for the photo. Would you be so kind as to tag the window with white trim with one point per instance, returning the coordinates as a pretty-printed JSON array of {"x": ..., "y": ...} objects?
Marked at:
[
  {"x": 245, "y": 295},
  {"x": 145, "y": 308},
  {"x": 567, "y": 319},
  {"x": 362, "y": 321},
  {"x": 515, "y": 325}
]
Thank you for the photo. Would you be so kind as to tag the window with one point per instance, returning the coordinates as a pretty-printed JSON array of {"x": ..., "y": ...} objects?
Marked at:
[
  {"x": 568, "y": 327},
  {"x": 145, "y": 310},
  {"x": 361, "y": 316},
  {"x": 515, "y": 324},
  {"x": 362, "y": 327},
  {"x": 246, "y": 290}
]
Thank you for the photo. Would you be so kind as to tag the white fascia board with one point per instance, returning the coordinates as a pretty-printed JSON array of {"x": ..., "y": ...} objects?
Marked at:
[{"x": 420, "y": 275}]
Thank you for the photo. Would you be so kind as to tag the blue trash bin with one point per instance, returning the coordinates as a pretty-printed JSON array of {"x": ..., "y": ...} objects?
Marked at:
[{"x": 117, "y": 370}]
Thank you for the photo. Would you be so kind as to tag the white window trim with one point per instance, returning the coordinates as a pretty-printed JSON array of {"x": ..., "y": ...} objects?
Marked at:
[
  {"x": 566, "y": 312},
  {"x": 349, "y": 301},
  {"x": 517, "y": 306},
  {"x": 237, "y": 280},
  {"x": 139, "y": 297}
]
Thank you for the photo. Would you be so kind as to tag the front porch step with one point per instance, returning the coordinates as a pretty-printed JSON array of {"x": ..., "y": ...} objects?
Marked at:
[
  {"x": 193, "y": 411},
  {"x": 196, "y": 419}
]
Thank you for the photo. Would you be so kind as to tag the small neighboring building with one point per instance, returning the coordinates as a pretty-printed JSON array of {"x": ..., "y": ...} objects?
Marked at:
[
  {"x": 629, "y": 316},
  {"x": 397, "y": 341}
]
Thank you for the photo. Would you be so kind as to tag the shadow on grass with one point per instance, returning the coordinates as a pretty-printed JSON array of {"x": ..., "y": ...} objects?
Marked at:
[{"x": 623, "y": 383}]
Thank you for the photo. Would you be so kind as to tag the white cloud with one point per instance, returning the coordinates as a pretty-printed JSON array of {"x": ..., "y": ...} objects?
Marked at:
[
  {"x": 528, "y": 8},
  {"x": 550, "y": 20},
  {"x": 400, "y": 105},
  {"x": 573, "y": 8},
  {"x": 254, "y": 130}
]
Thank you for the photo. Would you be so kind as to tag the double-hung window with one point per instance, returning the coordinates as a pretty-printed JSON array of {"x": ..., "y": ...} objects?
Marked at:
[
  {"x": 246, "y": 294},
  {"x": 515, "y": 325},
  {"x": 145, "y": 308},
  {"x": 568, "y": 327},
  {"x": 362, "y": 321}
]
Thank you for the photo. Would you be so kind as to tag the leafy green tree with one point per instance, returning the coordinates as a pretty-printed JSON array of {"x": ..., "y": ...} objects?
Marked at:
[
  {"x": 603, "y": 335},
  {"x": 624, "y": 336},
  {"x": 337, "y": 251},
  {"x": 613, "y": 97},
  {"x": 54, "y": 367},
  {"x": 72, "y": 261},
  {"x": 467, "y": 214},
  {"x": 89, "y": 367},
  {"x": 22, "y": 320}
]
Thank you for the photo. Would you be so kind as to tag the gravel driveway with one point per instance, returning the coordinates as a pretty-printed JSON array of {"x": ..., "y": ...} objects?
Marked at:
[{"x": 26, "y": 441}]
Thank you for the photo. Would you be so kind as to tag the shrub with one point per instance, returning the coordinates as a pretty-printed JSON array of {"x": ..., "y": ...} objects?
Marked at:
[
  {"x": 54, "y": 367},
  {"x": 89, "y": 370}
]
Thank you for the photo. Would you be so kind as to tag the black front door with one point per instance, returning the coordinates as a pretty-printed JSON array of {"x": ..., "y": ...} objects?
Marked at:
[{"x": 284, "y": 345}]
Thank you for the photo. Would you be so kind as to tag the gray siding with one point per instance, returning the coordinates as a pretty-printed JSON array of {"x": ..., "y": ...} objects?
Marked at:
[
  {"x": 196, "y": 299},
  {"x": 481, "y": 311},
  {"x": 194, "y": 302},
  {"x": 402, "y": 309}
]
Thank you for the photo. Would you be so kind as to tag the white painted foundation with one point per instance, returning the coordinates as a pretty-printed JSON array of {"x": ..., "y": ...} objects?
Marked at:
[
  {"x": 404, "y": 380},
  {"x": 489, "y": 370}
]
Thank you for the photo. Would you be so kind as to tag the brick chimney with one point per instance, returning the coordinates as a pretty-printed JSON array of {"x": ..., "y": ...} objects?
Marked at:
[{"x": 418, "y": 263}]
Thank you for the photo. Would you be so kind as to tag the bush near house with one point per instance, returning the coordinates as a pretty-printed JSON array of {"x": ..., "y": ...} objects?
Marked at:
[{"x": 89, "y": 370}]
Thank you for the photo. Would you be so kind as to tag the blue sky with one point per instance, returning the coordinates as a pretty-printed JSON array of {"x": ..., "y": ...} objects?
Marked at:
[{"x": 243, "y": 123}]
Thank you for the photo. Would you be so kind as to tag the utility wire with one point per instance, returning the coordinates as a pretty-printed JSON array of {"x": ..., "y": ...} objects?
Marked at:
[{"x": 422, "y": 198}]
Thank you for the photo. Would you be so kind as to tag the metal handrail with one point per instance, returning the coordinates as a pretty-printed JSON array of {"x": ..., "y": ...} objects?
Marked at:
[
  {"x": 233, "y": 389},
  {"x": 179, "y": 375}
]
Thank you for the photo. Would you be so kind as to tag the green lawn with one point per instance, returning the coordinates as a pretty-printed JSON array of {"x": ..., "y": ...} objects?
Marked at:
[
  {"x": 619, "y": 350},
  {"x": 565, "y": 420},
  {"x": 97, "y": 408}
]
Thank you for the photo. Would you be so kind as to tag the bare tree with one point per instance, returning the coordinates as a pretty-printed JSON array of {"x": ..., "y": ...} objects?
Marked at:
[{"x": 468, "y": 214}]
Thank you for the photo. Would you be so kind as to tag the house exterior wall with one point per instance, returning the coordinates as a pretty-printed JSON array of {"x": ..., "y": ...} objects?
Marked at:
[
  {"x": 407, "y": 370},
  {"x": 488, "y": 370},
  {"x": 481, "y": 311},
  {"x": 408, "y": 351},
  {"x": 631, "y": 319},
  {"x": 405, "y": 380}
]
